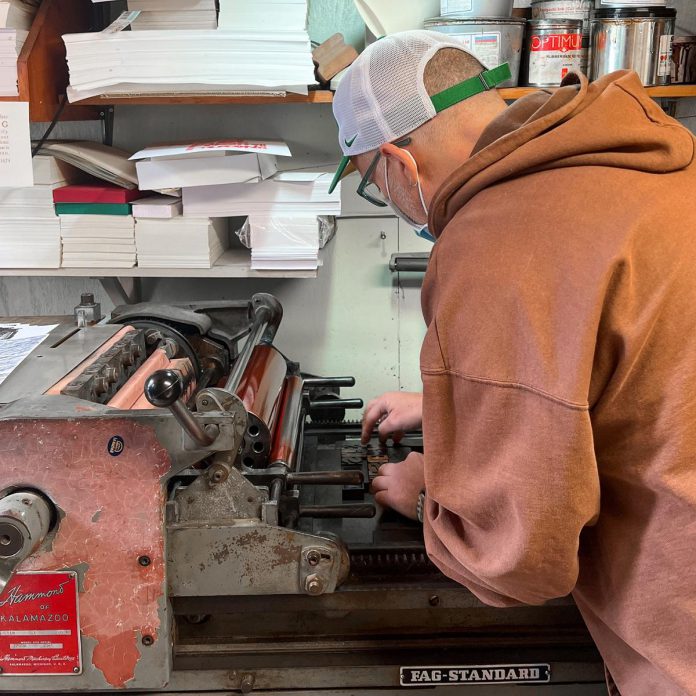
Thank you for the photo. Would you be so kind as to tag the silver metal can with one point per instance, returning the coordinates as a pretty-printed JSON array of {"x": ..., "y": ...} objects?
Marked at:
[
  {"x": 493, "y": 40},
  {"x": 553, "y": 49},
  {"x": 637, "y": 39},
  {"x": 684, "y": 60},
  {"x": 476, "y": 8}
]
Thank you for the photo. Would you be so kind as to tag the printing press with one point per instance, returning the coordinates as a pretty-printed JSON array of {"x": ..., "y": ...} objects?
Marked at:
[{"x": 183, "y": 509}]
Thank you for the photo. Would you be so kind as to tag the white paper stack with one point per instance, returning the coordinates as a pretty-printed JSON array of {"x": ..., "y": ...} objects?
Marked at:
[
  {"x": 29, "y": 226},
  {"x": 270, "y": 61},
  {"x": 16, "y": 17},
  {"x": 287, "y": 193},
  {"x": 290, "y": 243},
  {"x": 101, "y": 161},
  {"x": 181, "y": 242},
  {"x": 254, "y": 15},
  {"x": 174, "y": 14},
  {"x": 98, "y": 241},
  {"x": 158, "y": 207},
  {"x": 204, "y": 163},
  {"x": 282, "y": 214}
]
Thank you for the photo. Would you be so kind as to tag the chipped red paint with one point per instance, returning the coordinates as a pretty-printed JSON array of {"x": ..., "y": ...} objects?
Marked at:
[{"x": 113, "y": 514}]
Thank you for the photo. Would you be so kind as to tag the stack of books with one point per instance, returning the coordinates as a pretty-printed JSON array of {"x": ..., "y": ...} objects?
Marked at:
[
  {"x": 16, "y": 17},
  {"x": 174, "y": 14},
  {"x": 269, "y": 61},
  {"x": 29, "y": 226},
  {"x": 282, "y": 214},
  {"x": 180, "y": 242},
  {"x": 96, "y": 225}
]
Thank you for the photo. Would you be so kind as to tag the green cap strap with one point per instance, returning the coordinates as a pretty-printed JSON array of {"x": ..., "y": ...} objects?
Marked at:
[{"x": 483, "y": 82}]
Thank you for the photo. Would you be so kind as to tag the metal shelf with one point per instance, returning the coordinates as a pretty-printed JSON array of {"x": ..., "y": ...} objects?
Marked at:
[
  {"x": 233, "y": 263},
  {"x": 326, "y": 97},
  {"x": 314, "y": 97}
]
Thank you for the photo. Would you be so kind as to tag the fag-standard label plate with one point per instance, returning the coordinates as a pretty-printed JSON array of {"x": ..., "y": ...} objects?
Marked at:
[
  {"x": 40, "y": 625},
  {"x": 476, "y": 674}
]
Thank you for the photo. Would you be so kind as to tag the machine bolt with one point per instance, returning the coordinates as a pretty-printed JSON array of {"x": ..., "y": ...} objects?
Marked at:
[
  {"x": 144, "y": 561},
  {"x": 76, "y": 670},
  {"x": 217, "y": 474},
  {"x": 246, "y": 686},
  {"x": 434, "y": 601},
  {"x": 313, "y": 557},
  {"x": 147, "y": 640},
  {"x": 205, "y": 402},
  {"x": 314, "y": 585}
]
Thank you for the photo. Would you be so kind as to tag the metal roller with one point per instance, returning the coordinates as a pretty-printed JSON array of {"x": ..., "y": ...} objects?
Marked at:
[
  {"x": 25, "y": 519},
  {"x": 284, "y": 451},
  {"x": 260, "y": 389},
  {"x": 267, "y": 315}
]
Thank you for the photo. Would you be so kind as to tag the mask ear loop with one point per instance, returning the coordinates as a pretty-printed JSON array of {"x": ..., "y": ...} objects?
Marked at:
[
  {"x": 420, "y": 188},
  {"x": 411, "y": 222}
]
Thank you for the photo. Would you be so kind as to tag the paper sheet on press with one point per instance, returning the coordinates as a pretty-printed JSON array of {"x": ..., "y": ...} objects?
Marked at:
[{"x": 16, "y": 342}]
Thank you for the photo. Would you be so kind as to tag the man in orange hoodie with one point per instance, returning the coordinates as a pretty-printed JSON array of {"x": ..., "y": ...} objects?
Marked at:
[{"x": 559, "y": 366}]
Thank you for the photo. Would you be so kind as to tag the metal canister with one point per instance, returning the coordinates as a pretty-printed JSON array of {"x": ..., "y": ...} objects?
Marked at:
[
  {"x": 564, "y": 9},
  {"x": 568, "y": 9},
  {"x": 684, "y": 60},
  {"x": 554, "y": 48},
  {"x": 476, "y": 8},
  {"x": 637, "y": 39},
  {"x": 493, "y": 40}
]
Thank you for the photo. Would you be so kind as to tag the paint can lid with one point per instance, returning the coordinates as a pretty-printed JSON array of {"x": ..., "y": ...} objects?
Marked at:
[
  {"x": 555, "y": 23},
  {"x": 634, "y": 12}
]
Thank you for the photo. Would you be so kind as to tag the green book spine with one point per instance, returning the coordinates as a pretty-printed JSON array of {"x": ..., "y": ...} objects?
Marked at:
[{"x": 93, "y": 208}]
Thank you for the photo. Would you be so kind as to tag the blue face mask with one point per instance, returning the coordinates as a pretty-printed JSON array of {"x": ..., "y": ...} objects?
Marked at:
[{"x": 424, "y": 233}]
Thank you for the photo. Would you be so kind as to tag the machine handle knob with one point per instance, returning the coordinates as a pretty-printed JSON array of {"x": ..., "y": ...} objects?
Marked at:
[{"x": 163, "y": 388}]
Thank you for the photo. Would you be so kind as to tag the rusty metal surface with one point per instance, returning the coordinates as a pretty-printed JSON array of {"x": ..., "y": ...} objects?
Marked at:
[
  {"x": 246, "y": 557},
  {"x": 111, "y": 510}
]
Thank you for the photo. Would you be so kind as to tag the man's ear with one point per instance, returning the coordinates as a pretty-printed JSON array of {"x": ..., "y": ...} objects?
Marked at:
[{"x": 401, "y": 160}]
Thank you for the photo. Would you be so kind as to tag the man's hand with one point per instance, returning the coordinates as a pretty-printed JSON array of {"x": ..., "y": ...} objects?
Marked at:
[
  {"x": 398, "y": 484},
  {"x": 396, "y": 413}
]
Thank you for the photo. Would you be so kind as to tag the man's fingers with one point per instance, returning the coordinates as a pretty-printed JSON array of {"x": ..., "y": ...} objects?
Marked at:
[
  {"x": 386, "y": 469},
  {"x": 379, "y": 483},
  {"x": 388, "y": 428},
  {"x": 374, "y": 411},
  {"x": 382, "y": 498}
]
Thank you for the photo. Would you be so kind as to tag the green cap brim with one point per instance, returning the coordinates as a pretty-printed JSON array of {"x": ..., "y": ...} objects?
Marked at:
[{"x": 340, "y": 172}]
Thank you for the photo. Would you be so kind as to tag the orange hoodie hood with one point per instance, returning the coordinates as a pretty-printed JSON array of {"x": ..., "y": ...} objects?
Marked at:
[{"x": 572, "y": 127}]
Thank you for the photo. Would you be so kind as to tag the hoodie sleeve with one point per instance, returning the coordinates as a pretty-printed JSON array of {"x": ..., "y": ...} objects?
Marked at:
[{"x": 511, "y": 481}]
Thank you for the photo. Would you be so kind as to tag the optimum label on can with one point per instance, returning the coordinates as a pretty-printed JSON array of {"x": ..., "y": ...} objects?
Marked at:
[{"x": 554, "y": 48}]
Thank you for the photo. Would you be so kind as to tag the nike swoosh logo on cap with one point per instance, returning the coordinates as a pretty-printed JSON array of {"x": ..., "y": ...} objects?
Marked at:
[{"x": 351, "y": 141}]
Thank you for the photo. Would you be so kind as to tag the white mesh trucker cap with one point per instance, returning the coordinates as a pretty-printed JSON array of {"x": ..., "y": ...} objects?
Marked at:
[{"x": 383, "y": 97}]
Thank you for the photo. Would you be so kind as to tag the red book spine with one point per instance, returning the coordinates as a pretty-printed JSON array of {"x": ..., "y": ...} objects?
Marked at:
[{"x": 95, "y": 194}]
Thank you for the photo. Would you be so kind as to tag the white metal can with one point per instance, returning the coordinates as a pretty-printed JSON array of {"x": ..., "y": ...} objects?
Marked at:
[
  {"x": 563, "y": 9},
  {"x": 554, "y": 48},
  {"x": 493, "y": 40}
]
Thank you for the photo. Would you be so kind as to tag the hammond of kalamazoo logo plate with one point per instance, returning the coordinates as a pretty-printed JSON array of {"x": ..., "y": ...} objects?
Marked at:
[
  {"x": 40, "y": 625},
  {"x": 475, "y": 674}
]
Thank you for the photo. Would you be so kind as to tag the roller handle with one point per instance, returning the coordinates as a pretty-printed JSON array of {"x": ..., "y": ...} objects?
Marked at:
[{"x": 165, "y": 389}]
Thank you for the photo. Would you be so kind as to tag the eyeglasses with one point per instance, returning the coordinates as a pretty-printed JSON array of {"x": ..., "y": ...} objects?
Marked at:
[{"x": 368, "y": 189}]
